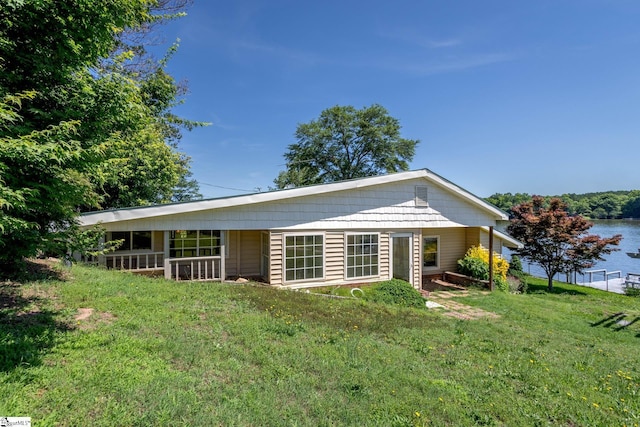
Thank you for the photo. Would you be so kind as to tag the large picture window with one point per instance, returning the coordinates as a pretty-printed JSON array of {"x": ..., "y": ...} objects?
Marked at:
[
  {"x": 430, "y": 252},
  {"x": 132, "y": 240},
  {"x": 304, "y": 257},
  {"x": 194, "y": 243},
  {"x": 362, "y": 255}
]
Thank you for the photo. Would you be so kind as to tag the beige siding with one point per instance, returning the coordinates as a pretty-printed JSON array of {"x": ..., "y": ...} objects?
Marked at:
[
  {"x": 484, "y": 240},
  {"x": 453, "y": 245},
  {"x": 276, "y": 257},
  {"x": 417, "y": 259},
  {"x": 473, "y": 236},
  {"x": 158, "y": 241},
  {"x": 334, "y": 256},
  {"x": 385, "y": 256}
]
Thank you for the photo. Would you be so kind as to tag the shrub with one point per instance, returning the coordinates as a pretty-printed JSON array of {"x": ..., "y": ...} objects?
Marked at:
[
  {"x": 632, "y": 292},
  {"x": 515, "y": 266},
  {"x": 476, "y": 264},
  {"x": 474, "y": 267},
  {"x": 397, "y": 292}
]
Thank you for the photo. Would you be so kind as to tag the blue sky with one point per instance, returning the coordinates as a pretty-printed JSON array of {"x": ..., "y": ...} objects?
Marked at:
[{"x": 541, "y": 97}]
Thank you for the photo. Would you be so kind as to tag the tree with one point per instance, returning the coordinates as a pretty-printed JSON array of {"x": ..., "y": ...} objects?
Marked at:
[
  {"x": 346, "y": 143},
  {"x": 557, "y": 242},
  {"x": 72, "y": 122}
]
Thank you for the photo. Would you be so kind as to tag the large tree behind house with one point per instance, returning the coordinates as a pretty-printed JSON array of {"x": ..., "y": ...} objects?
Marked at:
[{"x": 346, "y": 143}]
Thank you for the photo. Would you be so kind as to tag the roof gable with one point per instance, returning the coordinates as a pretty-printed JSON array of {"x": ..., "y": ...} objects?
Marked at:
[{"x": 294, "y": 195}]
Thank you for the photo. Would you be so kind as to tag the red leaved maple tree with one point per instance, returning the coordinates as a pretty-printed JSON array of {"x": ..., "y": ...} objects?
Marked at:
[{"x": 557, "y": 242}]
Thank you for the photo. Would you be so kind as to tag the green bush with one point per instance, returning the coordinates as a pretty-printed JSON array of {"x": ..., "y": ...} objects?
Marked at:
[
  {"x": 473, "y": 267},
  {"x": 515, "y": 266},
  {"x": 397, "y": 292},
  {"x": 632, "y": 292}
]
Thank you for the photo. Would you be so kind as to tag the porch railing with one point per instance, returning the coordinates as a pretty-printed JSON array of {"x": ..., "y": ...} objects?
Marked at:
[
  {"x": 131, "y": 261},
  {"x": 194, "y": 268},
  {"x": 139, "y": 261}
]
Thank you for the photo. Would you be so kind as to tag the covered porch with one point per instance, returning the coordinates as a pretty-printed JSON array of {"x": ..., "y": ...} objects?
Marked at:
[{"x": 199, "y": 255}]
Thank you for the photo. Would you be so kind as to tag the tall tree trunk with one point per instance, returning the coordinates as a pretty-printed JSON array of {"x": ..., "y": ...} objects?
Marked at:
[{"x": 550, "y": 283}]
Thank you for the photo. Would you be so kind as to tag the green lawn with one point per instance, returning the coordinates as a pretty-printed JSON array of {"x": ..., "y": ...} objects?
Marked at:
[{"x": 155, "y": 352}]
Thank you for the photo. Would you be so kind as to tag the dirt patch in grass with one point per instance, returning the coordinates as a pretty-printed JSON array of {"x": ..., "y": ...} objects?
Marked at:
[
  {"x": 88, "y": 318},
  {"x": 457, "y": 309}
]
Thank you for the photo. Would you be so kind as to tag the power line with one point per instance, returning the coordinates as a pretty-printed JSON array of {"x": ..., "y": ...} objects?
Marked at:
[{"x": 226, "y": 188}]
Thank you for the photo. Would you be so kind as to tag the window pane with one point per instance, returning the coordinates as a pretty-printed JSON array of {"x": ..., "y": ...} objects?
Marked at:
[
  {"x": 122, "y": 235},
  {"x": 430, "y": 252},
  {"x": 304, "y": 257},
  {"x": 362, "y": 255},
  {"x": 141, "y": 240}
]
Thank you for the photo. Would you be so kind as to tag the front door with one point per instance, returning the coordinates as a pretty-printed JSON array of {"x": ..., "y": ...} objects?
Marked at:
[{"x": 401, "y": 247}]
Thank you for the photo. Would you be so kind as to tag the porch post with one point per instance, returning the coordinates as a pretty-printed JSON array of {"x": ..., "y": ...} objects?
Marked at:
[
  {"x": 491, "y": 258},
  {"x": 165, "y": 248}
]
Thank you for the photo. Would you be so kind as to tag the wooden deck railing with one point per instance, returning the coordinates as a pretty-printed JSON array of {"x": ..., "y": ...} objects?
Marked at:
[
  {"x": 135, "y": 261},
  {"x": 194, "y": 268},
  {"x": 129, "y": 261}
]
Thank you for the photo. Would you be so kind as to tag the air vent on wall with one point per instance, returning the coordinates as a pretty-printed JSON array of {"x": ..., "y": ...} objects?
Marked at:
[{"x": 421, "y": 196}]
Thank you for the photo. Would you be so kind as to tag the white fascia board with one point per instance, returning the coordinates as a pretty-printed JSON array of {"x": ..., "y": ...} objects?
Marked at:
[
  {"x": 512, "y": 243},
  {"x": 125, "y": 214}
]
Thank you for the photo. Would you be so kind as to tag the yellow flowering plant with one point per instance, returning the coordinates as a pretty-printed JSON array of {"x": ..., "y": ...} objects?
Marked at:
[{"x": 476, "y": 264}]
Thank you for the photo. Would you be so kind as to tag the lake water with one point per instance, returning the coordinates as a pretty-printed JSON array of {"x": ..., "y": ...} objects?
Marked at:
[{"x": 619, "y": 260}]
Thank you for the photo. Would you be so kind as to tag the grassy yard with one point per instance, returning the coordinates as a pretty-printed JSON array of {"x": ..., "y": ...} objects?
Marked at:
[{"x": 94, "y": 347}]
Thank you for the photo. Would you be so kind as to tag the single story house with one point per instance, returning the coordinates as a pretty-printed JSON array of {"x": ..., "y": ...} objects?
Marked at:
[{"x": 406, "y": 225}]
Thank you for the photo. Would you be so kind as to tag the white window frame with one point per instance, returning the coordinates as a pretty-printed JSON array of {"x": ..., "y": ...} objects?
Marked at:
[
  {"x": 346, "y": 254},
  {"x": 439, "y": 249},
  {"x": 284, "y": 256},
  {"x": 197, "y": 246}
]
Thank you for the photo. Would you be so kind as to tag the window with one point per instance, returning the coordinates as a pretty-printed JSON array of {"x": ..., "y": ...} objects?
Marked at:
[
  {"x": 304, "y": 257},
  {"x": 430, "y": 254},
  {"x": 133, "y": 240},
  {"x": 362, "y": 255},
  {"x": 194, "y": 243}
]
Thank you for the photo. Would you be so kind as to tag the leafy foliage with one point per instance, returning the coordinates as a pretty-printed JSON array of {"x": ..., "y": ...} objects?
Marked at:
[
  {"x": 396, "y": 292},
  {"x": 557, "y": 242},
  {"x": 476, "y": 264},
  {"x": 515, "y": 265},
  {"x": 346, "y": 143},
  {"x": 603, "y": 205},
  {"x": 78, "y": 128}
]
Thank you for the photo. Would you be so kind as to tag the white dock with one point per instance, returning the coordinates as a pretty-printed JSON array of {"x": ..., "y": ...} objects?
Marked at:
[{"x": 610, "y": 284}]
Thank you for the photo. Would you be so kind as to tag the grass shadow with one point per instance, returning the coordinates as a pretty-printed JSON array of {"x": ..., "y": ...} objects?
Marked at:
[
  {"x": 28, "y": 324},
  {"x": 558, "y": 289}
]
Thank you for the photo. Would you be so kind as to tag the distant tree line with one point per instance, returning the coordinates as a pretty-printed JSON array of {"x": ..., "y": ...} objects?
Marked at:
[{"x": 603, "y": 205}]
